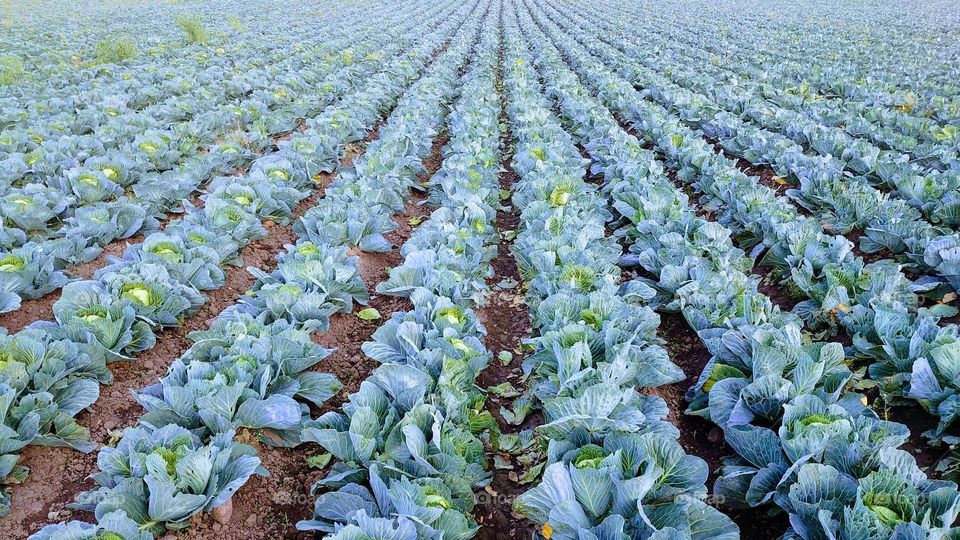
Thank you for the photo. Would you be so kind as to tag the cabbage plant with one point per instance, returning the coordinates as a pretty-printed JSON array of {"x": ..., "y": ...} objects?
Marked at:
[
  {"x": 27, "y": 272},
  {"x": 160, "y": 477},
  {"x": 111, "y": 526},
  {"x": 156, "y": 296}
]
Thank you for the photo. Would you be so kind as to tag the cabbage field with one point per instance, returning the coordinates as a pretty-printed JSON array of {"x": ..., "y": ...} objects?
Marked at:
[{"x": 453, "y": 269}]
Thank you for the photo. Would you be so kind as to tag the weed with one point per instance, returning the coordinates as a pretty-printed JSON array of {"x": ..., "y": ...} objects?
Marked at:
[
  {"x": 193, "y": 28},
  {"x": 236, "y": 24},
  {"x": 110, "y": 50}
]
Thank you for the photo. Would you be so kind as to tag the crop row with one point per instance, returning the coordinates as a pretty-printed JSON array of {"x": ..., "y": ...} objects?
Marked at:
[
  {"x": 407, "y": 446},
  {"x": 81, "y": 172},
  {"x": 252, "y": 369},
  {"x": 55, "y": 367},
  {"x": 876, "y": 304},
  {"x": 825, "y": 445},
  {"x": 613, "y": 467},
  {"x": 841, "y": 200}
]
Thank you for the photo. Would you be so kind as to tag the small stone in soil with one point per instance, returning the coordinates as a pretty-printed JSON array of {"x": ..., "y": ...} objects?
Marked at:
[{"x": 223, "y": 513}]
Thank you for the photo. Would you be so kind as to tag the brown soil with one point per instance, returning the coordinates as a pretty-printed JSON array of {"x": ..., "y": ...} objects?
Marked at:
[
  {"x": 770, "y": 286},
  {"x": 507, "y": 320},
  {"x": 29, "y": 312},
  {"x": 765, "y": 175},
  {"x": 697, "y": 436},
  {"x": 764, "y": 172}
]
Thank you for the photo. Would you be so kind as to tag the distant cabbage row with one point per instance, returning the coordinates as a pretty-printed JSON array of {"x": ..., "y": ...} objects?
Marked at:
[{"x": 107, "y": 151}]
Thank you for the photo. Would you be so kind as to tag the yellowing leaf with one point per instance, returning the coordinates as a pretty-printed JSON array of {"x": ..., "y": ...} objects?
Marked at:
[
  {"x": 841, "y": 307},
  {"x": 546, "y": 531},
  {"x": 369, "y": 314}
]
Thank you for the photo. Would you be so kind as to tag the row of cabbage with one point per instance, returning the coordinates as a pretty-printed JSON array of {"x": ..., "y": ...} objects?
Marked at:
[
  {"x": 35, "y": 268},
  {"x": 842, "y": 202},
  {"x": 614, "y": 468},
  {"x": 251, "y": 370},
  {"x": 48, "y": 46},
  {"x": 802, "y": 441},
  {"x": 761, "y": 88},
  {"x": 891, "y": 57},
  {"x": 778, "y": 136},
  {"x": 913, "y": 356},
  {"x": 52, "y": 370},
  {"x": 105, "y": 164},
  {"x": 407, "y": 444},
  {"x": 788, "y": 78}
]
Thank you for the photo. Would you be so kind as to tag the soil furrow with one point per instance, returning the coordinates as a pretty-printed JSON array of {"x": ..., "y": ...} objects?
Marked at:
[{"x": 507, "y": 321}]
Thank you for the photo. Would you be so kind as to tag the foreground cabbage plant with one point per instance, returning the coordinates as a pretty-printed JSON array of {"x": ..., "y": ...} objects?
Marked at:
[
  {"x": 159, "y": 477},
  {"x": 112, "y": 526}
]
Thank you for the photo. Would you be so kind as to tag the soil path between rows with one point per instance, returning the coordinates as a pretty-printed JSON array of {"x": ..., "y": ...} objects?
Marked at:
[{"x": 507, "y": 321}]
